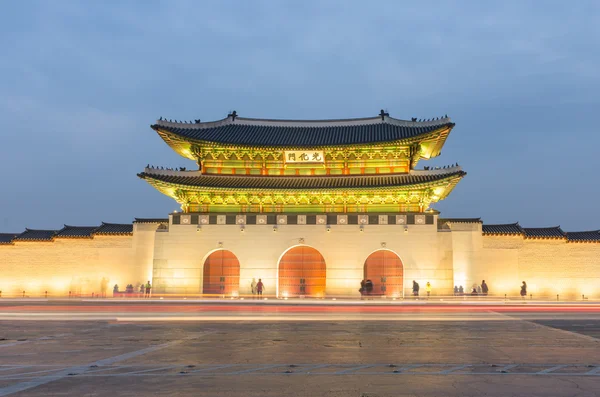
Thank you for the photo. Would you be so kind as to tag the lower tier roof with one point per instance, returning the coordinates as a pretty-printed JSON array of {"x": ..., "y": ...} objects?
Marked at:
[{"x": 193, "y": 179}]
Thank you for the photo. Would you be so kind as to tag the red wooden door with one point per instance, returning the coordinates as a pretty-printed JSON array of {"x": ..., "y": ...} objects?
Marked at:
[
  {"x": 302, "y": 271},
  {"x": 384, "y": 268},
  {"x": 221, "y": 273}
]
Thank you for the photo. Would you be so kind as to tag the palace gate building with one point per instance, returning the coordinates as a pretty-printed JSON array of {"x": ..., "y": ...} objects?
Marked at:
[{"x": 311, "y": 208}]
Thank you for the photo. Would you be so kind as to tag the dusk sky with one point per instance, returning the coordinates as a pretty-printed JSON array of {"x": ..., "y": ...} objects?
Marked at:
[{"x": 81, "y": 82}]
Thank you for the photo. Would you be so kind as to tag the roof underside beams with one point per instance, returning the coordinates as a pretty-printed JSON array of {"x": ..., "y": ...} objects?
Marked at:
[
  {"x": 421, "y": 193},
  {"x": 429, "y": 144}
]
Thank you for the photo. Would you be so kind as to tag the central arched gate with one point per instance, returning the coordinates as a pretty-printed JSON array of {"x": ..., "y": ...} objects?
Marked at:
[{"x": 302, "y": 272}]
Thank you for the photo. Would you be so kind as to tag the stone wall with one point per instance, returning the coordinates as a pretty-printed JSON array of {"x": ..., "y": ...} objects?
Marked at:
[
  {"x": 180, "y": 252},
  {"x": 549, "y": 267},
  {"x": 76, "y": 265}
]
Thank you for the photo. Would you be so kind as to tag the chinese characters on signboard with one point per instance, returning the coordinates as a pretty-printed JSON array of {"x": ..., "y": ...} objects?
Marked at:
[{"x": 308, "y": 156}]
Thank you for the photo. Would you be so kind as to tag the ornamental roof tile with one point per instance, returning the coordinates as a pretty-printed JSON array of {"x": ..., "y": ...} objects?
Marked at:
[
  {"x": 7, "y": 238},
  {"x": 195, "y": 179},
  {"x": 302, "y": 133},
  {"x": 503, "y": 229},
  {"x": 76, "y": 232},
  {"x": 543, "y": 232},
  {"x": 36, "y": 235},
  {"x": 151, "y": 220},
  {"x": 461, "y": 220},
  {"x": 114, "y": 229},
  {"x": 591, "y": 236}
]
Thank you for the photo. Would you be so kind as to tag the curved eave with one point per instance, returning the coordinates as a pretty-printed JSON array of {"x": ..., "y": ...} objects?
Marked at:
[
  {"x": 431, "y": 143},
  {"x": 502, "y": 234},
  {"x": 446, "y": 183}
]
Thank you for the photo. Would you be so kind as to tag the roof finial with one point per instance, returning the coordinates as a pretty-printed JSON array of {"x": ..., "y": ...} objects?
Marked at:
[
  {"x": 413, "y": 119},
  {"x": 197, "y": 121},
  {"x": 233, "y": 115},
  {"x": 383, "y": 114},
  {"x": 160, "y": 118}
]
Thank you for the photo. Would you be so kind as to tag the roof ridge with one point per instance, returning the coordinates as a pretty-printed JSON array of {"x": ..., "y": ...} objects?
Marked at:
[
  {"x": 544, "y": 227},
  {"x": 381, "y": 118}
]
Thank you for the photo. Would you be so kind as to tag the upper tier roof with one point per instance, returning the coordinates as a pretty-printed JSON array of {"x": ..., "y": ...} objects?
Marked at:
[
  {"x": 198, "y": 180},
  {"x": 242, "y": 131}
]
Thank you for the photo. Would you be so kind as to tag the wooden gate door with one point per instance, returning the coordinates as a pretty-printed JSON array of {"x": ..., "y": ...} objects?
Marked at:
[
  {"x": 384, "y": 268},
  {"x": 221, "y": 274},
  {"x": 302, "y": 271}
]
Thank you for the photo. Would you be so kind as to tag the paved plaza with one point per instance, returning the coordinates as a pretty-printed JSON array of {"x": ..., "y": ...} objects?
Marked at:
[{"x": 255, "y": 349}]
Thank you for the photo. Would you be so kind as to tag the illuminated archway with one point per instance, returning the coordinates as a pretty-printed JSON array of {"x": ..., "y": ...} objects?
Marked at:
[
  {"x": 302, "y": 272},
  {"x": 221, "y": 273},
  {"x": 384, "y": 268}
]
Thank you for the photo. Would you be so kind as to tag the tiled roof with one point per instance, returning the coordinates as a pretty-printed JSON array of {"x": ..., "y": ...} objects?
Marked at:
[
  {"x": 302, "y": 133},
  {"x": 151, "y": 220},
  {"x": 301, "y": 182},
  {"x": 114, "y": 229},
  {"x": 503, "y": 229},
  {"x": 590, "y": 236},
  {"x": 460, "y": 220},
  {"x": 7, "y": 238},
  {"x": 36, "y": 235},
  {"x": 543, "y": 232},
  {"x": 76, "y": 232}
]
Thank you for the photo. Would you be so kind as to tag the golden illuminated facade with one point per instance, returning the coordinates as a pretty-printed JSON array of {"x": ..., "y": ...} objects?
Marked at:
[
  {"x": 286, "y": 166},
  {"x": 309, "y": 207}
]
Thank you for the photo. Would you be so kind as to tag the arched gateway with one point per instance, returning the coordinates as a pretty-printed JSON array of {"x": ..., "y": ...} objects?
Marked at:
[
  {"x": 385, "y": 269},
  {"x": 302, "y": 271},
  {"x": 221, "y": 273}
]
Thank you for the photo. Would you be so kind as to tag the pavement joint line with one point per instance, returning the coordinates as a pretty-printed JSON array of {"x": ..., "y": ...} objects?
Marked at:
[
  {"x": 30, "y": 384},
  {"x": 14, "y": 343},
  {"x": 255, "y": 369},
  {"x": 456, "y": 368},
  {"x": 307, "y": 369},
  {"x": 26, "y": 374},
  {"x": 353, "y": 369},
  {"x": 217, "y": 367},
  {"x": 555, "y": 368},
  {"x": 595, "y": 371},
  {"x": 147, "y": 371}
]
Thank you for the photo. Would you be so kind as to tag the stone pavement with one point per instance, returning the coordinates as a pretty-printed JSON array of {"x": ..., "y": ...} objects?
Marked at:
[{"x": 298, "y": 358}]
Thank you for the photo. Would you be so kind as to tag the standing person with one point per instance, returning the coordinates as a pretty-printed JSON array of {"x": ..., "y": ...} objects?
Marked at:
[
  {"x": 484, "y": 288},
  {"x": 415, "y": 288},
  {"x": 363, "y": 288},
  {"x": 259, "y": 287},
  {"x": 369, "y": 287},
  {"x": 455, "y": 290},
  {"x": 253, "y": 287},
  {"x": 148, "y": 288},
  {"x": 461, "y": 290},
  {"x": 523, "y": 290},
  {"x": 103, "y": 286},
  {"x": 428, "y": 288}
]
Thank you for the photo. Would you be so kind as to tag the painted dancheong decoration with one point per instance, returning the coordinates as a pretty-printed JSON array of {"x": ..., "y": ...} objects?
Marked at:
[{"x": 250, "y": 165}]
